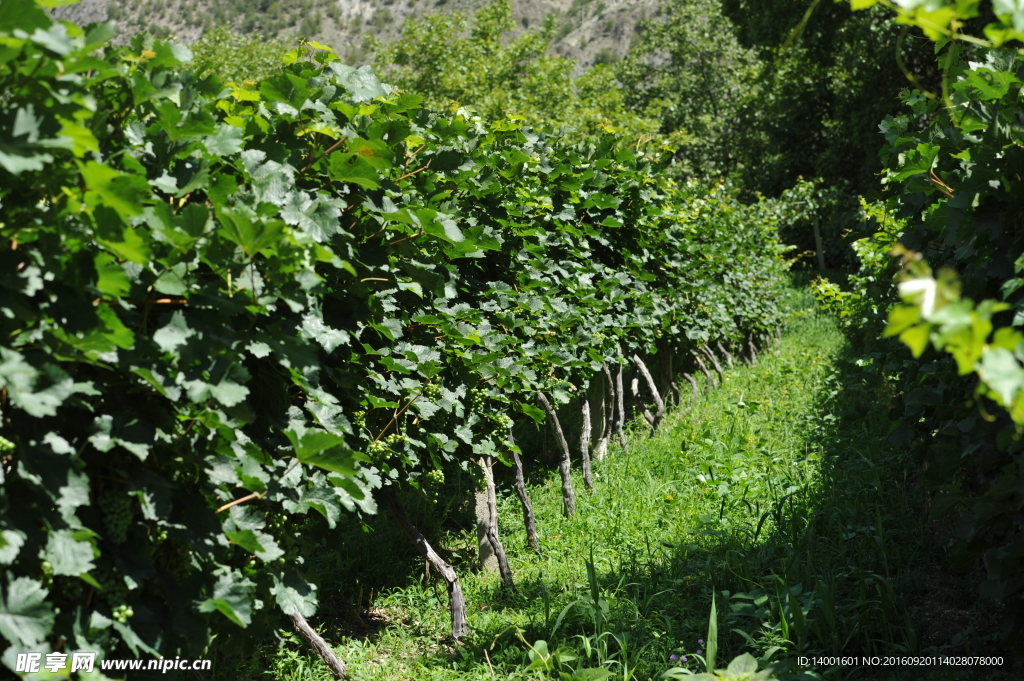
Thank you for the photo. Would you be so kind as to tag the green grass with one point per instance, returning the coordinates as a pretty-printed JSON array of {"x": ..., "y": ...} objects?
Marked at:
[{"x": 778, "y": 493}]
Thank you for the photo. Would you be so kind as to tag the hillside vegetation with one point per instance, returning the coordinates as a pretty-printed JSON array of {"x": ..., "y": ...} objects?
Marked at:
[{"x": 587, "y": 31}]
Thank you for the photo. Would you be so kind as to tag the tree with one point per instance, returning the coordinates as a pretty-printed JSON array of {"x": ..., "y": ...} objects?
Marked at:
[
  {"x": 688, "y": 72},
  {"x": 236, "y": 58},
  {"x": 453, "y": 62}
]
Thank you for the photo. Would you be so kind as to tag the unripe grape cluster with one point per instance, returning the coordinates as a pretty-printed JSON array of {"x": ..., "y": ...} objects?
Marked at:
[
  {"x": 432, "y": 391},
  {"x": 113, "y": 587},
  {"x": 381, "y": 450},
  {"x": 503, "y": 421},
  {"x": 476, "y": 400},
  {"x": 122, "y": 613},
  {"x": 116, "y": 507},
  {"x": 433, "y": 482}
]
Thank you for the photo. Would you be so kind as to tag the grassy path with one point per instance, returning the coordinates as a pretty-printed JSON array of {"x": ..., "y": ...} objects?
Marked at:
[{"x": 777, "y": 492}]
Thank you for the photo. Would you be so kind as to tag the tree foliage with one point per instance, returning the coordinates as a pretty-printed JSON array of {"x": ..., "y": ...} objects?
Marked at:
[
  {"x": 688, "y": 72},
  {"x": 235, "y": 57},
  {"x": 453, "y": 61}
]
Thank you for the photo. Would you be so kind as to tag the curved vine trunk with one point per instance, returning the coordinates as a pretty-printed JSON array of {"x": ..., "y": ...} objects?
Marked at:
[
  {"x": 588, "y": 481},
  {"x": 520, "y": 487},
  {"x": 634, "y": 387},
  {"x": 621, "y": 420},
  {"x": 319, "y": 645},
  {"x": 712, "y": 381},
  {"x": 725, "y": 353},
  {"x": 658, "y": 402},
  {"x": 714, "y": 361},
  {"x": 607, "y": 413},
  {"x": 753, "y": 350},
  {"x": 491, "y": 530},
  {"x": 696, "y": 388},
  {"x": 565, "y": 464},
  {"x": 456, "y": 601}
]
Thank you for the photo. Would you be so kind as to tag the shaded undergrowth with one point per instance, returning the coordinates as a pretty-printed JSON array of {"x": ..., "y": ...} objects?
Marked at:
[{"x": 779, "y": 493}]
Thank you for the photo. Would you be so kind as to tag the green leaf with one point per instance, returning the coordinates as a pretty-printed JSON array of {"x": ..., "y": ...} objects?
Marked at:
[
  {"x": 66, "y": 555},
  {"x": 113, "y": 189},
  {"x": 916, "y": 338},
  {"x": 294, "y": 595},
  {"x": 323, "y": 450},
  {"x": 119, "y": 238},
  {"x": 374, "y": 152},
  {"x": 232, "y": 598},
  {"x": 110, "y": 276},
  {"x": 990, "y": 85},
  {"x": 38, "y": 392},
  {"x": 247, "y": 539},
  {"x": 744, "y": 664},
  {"x": 901, "y": 317},
  {"x": 24, "y": 15},
  {"x": 1001, "y": 372},
  {"x": 11, "y": 542},
  {"x": 25, "y": 616},
  {"x": 361, "y": 83},
  {"x": 352, "y": 168},
  {"x": 253, "y": 235},
  {"x": 440, "y": 225},
  {"x": 712, "y": 640},
  {"x": 176, "y": 332},
  {"x": 226, "y": 141}
]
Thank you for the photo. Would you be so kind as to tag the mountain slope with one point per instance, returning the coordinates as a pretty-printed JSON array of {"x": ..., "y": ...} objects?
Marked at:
[{"x": 589, "y": 31}]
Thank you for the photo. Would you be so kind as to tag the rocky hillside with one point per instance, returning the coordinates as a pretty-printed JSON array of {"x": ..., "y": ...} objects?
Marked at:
[{"x": 590, "y": 31}]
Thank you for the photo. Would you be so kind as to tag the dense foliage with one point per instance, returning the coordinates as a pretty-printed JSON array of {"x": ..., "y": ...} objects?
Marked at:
[
  {"x": 453, "y": 61},
  {"x": 954, "y": 167},
  {"x": 232, "y": 313},
  {"x": 235, "y": 57}
]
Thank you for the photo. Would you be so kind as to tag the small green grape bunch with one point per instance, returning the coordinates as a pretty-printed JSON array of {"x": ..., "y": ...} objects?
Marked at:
[
  {"x": 116, "y": 507},
  {"x": 502, "y": 421},
  {"x": 359, "y": 420},
  {"x": 395, "y": 439},
  {"x": 432, "y": 391},
  {"x": 6, "y": 445},
  {"x": 47, "y": 579},
  {"x": 122, "y": 613},
  {"x": 158, "y": 535},
  {"x": 378, "y": 452},
  {"x": 433, "y": 481},
  {"x": 113, "y": 588},
  {"x": 476, "y": 400}
]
